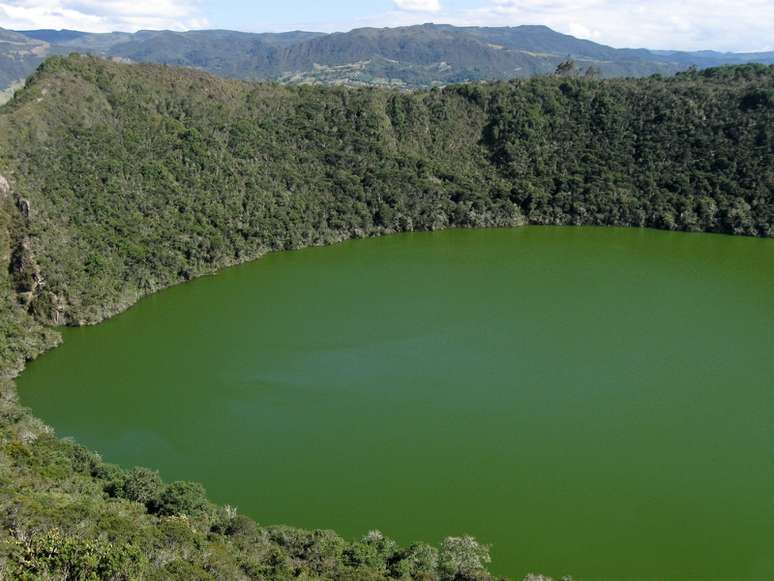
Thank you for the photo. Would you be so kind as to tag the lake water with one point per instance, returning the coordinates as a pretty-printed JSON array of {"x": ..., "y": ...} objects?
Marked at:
[{"x": 595, "y": 402}]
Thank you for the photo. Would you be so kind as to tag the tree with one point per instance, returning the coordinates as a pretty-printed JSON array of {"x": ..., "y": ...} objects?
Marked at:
[
  {"x": 182, "y": 498},
  {"x": 143, "y": 485},
  {"x": 566, "y": 68},
  {"x": 419, "y": 561},
  {"x": 593, "y": 72},
  {"x": 462, "y": 559}
]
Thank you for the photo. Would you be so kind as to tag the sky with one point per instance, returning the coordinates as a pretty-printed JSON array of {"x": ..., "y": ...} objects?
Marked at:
[{"x": 729, "y": 25}]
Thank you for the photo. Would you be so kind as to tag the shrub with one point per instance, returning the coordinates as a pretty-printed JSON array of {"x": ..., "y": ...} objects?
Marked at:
[
  {"x": 181, "y": 498},
  {"x": 418, "y": 561},
  {"x": 144, "y": 486},
  {"x": 52, "y": 555},
  {"x": 463, "y": 558}
]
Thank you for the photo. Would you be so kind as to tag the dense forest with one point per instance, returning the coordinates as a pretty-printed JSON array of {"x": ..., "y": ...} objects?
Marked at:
[
  {"x": 137, "y": 177},
  {"x": 123, "y": 179}
]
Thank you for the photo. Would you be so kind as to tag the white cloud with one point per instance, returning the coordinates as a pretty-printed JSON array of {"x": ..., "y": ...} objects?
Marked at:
[
  {"x": 658, "y": 24},
  {"x": 419, "y": 5},
  {"x": 101, "y": 15},
  {"x": 579, "y": 30}
]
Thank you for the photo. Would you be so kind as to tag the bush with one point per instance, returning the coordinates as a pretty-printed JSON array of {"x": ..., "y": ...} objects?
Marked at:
[
  {"x": 144, "y": 486},
  {"x": 52, "y": 555},
  {"x": 418, "y": 561},
  {"x": 463, "y": 559},
  {"x": 181, "y": 498}
]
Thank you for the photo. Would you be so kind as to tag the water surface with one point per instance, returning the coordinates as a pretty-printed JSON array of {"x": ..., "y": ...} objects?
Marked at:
[{"x": 590, "y": 401}]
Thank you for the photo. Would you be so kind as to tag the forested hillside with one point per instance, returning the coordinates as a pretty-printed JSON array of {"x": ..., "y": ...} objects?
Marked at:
[
  {"x": 408, "y": 57},
  {"x": 138, "y": 177},
  {"x": 123, "y": 179}
]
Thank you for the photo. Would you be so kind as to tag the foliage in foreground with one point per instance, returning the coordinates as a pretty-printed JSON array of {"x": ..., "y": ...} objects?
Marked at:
[{"x": 65, "y": 514}]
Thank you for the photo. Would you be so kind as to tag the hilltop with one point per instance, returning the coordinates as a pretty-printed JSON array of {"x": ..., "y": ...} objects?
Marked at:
[{"x": 408, "y": 57}]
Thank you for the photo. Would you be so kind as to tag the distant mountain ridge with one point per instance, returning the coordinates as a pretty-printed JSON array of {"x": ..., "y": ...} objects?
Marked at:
[{"x": 411, "y": 57}]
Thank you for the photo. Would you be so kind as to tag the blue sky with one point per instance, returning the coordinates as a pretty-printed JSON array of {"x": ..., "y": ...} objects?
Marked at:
[
  {"x": 734, "y": 25},
  {"x": 340, "y": 15}
]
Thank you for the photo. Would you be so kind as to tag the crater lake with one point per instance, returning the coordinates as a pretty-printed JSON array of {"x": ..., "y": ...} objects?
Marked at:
[{"x": 587, "y": 401}]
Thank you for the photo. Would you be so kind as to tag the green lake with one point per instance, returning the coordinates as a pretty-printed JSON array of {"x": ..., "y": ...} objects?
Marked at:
[{"x": 594, "y": 402}]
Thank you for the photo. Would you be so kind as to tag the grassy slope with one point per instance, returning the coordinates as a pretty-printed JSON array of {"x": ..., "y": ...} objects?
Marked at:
[{"x": 139, "y": 177}]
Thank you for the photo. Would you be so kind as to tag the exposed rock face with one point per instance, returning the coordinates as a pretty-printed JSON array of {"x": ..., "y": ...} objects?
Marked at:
[
  {"x": 48, "y": 307},
  {"x": 24, "y": 269},
  {"x": 24, "y": 207},
  {"x": 5, "y": 188},
  {"x": 27, "y": 280},
  {"x": 5, "y": 193}
]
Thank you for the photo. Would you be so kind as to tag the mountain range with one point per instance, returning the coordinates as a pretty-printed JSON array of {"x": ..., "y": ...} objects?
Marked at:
[{"x": 409, "y": 57}]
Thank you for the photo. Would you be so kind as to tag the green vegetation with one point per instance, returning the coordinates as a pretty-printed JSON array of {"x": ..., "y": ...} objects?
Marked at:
[
  {"x": 68, "y": 515},
  {"x": 126, "y": 179},
  {"x": 139, "y": 177},
  {"x": 411, "y": 57}
]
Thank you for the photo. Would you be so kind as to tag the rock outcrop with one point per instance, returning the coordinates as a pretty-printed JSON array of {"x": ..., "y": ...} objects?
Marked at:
[
  {"x": 26, "y": 273},
  {"x": 24, "y": 207},
  {"x": 5, "y": 188},
  {"x": 27, "y": 282}
]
